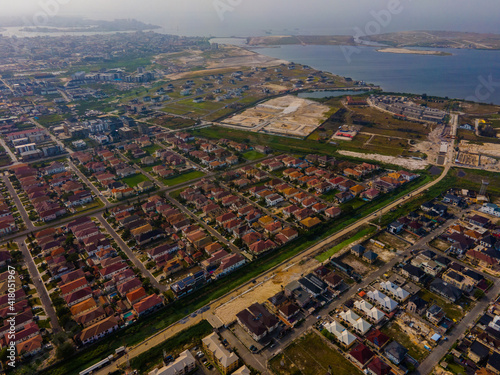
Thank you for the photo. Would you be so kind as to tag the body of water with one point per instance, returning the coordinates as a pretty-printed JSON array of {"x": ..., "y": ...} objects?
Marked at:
[{"x": 466, "y": 74}]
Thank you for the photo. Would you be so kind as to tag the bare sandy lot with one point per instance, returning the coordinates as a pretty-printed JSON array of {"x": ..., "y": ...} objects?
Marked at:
[
  {"x": 261, "y": 292},
  {"x": 287, "y": 115},
  {"x": 489, "y": 152},
  {"x": 233, "y": 58},
  {"x": 403, "y": 162}
]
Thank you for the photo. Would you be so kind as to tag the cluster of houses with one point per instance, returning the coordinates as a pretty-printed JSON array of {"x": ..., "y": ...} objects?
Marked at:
[
  {"x": 291, "y": 305},
  {"x": 476, "y": 237},
  {"x": 405, "y": 108},
  {"x": 421, "y": 222},
  {"x": 442, "y": 276},
  {"x": 479, "y": 351},
  {"x": 314, "y": 175},
  {"x": 107, "y": 170},
  {"x": 53, "y": 191},
  {"x": 356, "y": 329},
  {"x": 226, "y": 360},
  {"x": 357, "y": 325},
  {"x": 212, "y": 154},
  {"x": 238, "y": 218},
  {"x": 171, "y": 163},
  {"x": 28, "y": 339},
  {"x": 8, "y": 223},
  {"x": 99, "y": 310},
  {"x": 188, "y": 245}
]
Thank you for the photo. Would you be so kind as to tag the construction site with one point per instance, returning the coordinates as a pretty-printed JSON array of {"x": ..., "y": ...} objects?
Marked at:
[
  {"x": 486, "y": 155},
  {"x": 260, "y": 292},
  {"x": 286, "y": 116}
]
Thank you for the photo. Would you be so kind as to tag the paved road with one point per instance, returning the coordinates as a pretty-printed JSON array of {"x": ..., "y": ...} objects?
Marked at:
[
  {"x": 145, "y": 272},
  {"x": 84, "y": 178},
  {"x": 257, "y": 361},
  {"x": 52, "y": 136},
  {"x": 8, "y": 151},
  {"x": 19, "y": 204},
  {"x": 39, "y": 285}
]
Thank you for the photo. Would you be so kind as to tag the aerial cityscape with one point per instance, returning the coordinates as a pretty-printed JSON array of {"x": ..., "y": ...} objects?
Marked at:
[{"x": 247, "y": 188}]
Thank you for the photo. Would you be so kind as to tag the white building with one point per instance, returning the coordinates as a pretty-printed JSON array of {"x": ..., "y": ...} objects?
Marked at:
[
  {"x": 491, "y": 209},
  {"x": 398, "y": 292},
  {"x": 342, "y": 334},
  {"x": 382, "y": 300},
  {"x": 369, "y": 310},
  {"x": 355, "y": 321}
]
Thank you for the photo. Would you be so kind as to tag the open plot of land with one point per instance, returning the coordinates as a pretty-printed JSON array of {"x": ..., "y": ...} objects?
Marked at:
[
  {"x": 278, "y": 143},
  {"x": 408, "y": 163},
  {"x": 334, "y": 250},
  {"x": 182, "y": 178},
  {"x": 172, "y": 122},
  {"x": 357, "y": 264},
  {"x": 151, "y": 149},
  {"x": 379, "y": 122},
  {"x": 452, "y": 310},
  {"x": 471, "y": 179},
  {"x": 439, "y": 244},
  {"x": 391, "y": 241},
  {"x": 253, "y": 155},
  {"x": 261, "y": 292},
  {"x": 288, "y": 115},
  {"x": 311, "y": 355},
  {"x": 135, "y": 180},
  {"x": 413, "y": 344},
  {"x": 387, "y": 252},
  {"x": 485, "y": 154}
]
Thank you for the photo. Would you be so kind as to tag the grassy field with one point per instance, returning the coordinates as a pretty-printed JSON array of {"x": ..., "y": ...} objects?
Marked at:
[
  {"x": 151, "y": 149},
  {"x": 472, "y": 137},
  {"x": 284, "y": 144},
  {"x": 92, "y": 206},
  {"x": 146, "y": 361},
  {"x": 311, "y": 355},
  {"x": 334, "y": 250},
  {"x": 173, "y": 122},
  {"x": 182, "y": 178},
  {"x": 134, "y": 180},
  {"x": 384, "y": 124},
  {"x": 47, "y": 120},
  {"x": 452, "y": 310},
  {"x": 472, "y": 180},
  {"x": 253, "y": 155}
]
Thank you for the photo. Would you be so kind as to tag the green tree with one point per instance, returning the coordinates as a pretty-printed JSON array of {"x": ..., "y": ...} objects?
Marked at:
[{"x": 65, "y": 350}]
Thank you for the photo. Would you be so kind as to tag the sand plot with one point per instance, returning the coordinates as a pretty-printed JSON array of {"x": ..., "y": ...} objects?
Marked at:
[
  {"x": 261, "y": 291},
  {"x": 288, "y": 115}
]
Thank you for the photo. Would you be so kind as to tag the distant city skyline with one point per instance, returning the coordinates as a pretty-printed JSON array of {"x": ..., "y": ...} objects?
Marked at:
[{"x": 245, "y": 18}]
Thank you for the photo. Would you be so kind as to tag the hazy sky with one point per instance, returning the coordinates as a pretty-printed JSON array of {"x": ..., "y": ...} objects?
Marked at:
[{"x": 252, "y": 17}]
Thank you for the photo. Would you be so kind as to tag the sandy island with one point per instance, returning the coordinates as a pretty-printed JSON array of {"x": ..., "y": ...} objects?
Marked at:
[{"x": 413, "y": 51}]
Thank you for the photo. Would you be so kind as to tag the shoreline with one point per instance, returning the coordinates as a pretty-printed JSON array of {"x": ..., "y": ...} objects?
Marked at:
[{"x": 407, "y": 51}]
